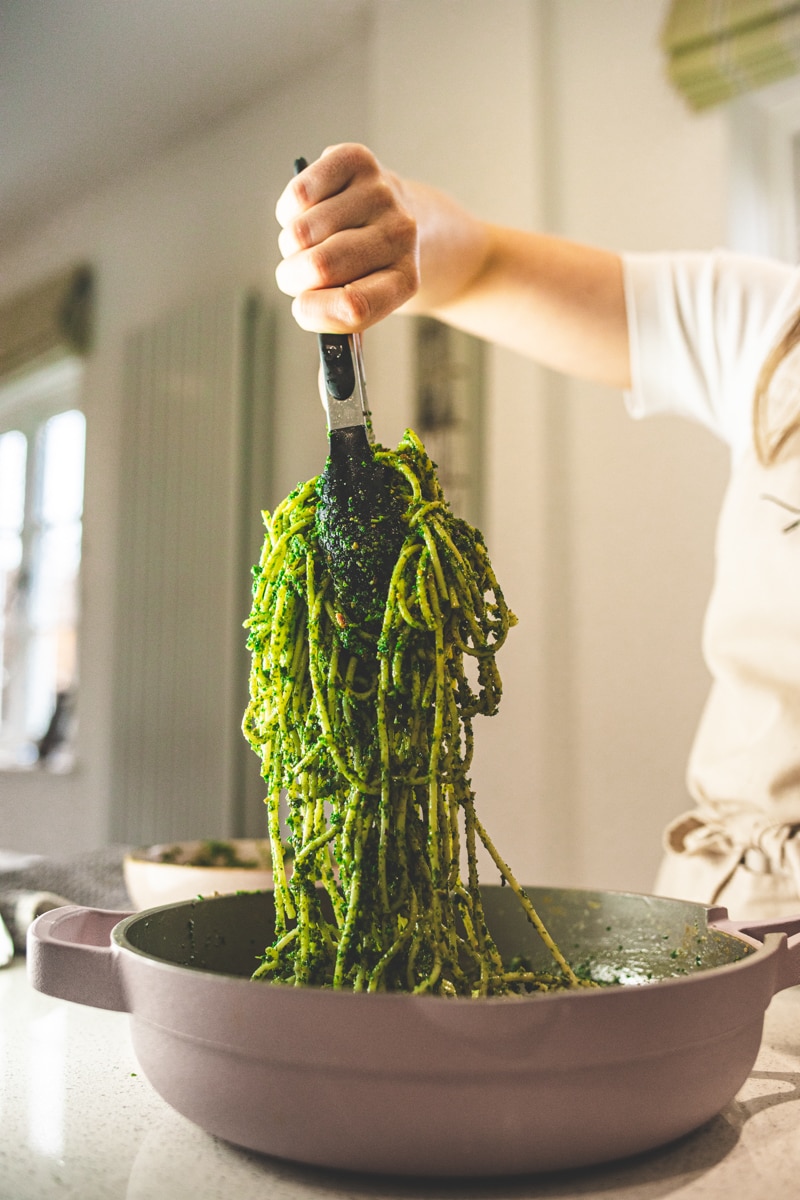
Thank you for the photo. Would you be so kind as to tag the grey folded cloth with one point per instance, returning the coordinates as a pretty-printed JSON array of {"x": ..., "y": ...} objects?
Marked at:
[{"x": 33, "y": 884}]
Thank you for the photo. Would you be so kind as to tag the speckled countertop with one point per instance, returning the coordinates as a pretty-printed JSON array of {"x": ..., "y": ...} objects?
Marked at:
[{"x": 79, "y": 1120}]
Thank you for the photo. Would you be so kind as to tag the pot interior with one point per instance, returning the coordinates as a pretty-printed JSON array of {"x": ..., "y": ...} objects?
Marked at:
[{"x": 615, "y": 937}]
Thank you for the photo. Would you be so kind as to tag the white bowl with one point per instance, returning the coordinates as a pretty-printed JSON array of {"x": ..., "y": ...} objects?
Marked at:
[{"x": 171, "y": 872}]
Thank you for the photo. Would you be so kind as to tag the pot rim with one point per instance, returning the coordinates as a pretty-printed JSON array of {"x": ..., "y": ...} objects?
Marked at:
[{"x": 756, "y": 953}]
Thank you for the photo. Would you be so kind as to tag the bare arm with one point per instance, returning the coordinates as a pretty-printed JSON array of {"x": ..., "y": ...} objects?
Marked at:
[{"x": 359, "y": 243}]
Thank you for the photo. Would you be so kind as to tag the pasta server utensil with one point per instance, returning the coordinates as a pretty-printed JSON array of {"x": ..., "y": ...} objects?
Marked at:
[{"x": 359, "y": 516}]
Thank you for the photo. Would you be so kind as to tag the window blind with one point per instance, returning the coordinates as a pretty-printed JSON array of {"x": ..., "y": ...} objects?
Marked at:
[
  {"x": 52, "y": 317},
  {"x": 718, "y": 49}
]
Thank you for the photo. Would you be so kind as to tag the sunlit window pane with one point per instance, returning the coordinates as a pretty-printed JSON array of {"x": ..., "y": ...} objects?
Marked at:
[
  {"x": 53, "y": 587},
  {"x": 13, "y": 457},
  {"x": 63, "y": 439},
  {"x": 10, "y": 557},
  {"x": 41, "y": 690},
  {"x": 13, "y": 454}
]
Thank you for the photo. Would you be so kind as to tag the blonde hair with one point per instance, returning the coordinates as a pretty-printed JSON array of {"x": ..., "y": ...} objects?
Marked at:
[{"x": 769, "y": 443}]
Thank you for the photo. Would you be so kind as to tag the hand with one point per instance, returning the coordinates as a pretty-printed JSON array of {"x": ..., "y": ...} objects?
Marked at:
[{"x": 349, "y": 244}]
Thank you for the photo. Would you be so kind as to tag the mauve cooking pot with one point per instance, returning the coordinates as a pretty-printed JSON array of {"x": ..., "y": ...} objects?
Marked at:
[{"x": 427, "y": 1085}]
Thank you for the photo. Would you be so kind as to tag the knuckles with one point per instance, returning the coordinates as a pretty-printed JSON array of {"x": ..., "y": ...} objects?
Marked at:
[
  {"x": 404, "y": 232},
  {"x": 353, "y": 308},
  {"x": 351, "y": 158},
  {"x": 298, "y": 235},
  {"x": 321, "y": 266}
]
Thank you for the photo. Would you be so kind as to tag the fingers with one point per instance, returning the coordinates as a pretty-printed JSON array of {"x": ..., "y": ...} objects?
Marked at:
[
  {"x": 332, "y": 173},
  {"x": 349, "y": 246},
  {"x": 354, "y": 307},
  {"x": 357, "y": 276}
]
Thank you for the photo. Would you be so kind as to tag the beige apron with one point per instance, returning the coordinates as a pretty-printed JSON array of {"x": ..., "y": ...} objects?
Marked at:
[{"x": 740, "y": 847}]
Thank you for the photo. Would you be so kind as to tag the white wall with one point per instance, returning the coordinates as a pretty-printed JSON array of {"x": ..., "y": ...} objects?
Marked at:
[
  {"x": 633, "y": 170},
  {"x": 534, "y": 112}
]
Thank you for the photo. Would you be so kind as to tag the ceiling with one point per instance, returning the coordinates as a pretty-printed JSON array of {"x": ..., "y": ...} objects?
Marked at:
[{"x": 91, "y": 88}]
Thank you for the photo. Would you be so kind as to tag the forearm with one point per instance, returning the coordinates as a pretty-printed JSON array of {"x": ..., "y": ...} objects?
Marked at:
[{"x": 550, "y": 299}]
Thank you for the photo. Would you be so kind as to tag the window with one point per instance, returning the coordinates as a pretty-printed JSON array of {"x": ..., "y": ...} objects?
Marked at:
[
  {"x": 765, "y": 171},
  {"x": 42, "y": 441}
]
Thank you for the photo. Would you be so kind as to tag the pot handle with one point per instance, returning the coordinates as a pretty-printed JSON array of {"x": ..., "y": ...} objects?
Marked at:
[
  {"x": 786, "y": 929},
  {"x": 70, "y": 955}
]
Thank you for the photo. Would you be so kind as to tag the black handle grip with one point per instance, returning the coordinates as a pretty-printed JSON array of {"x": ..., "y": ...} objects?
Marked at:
[{"x": 337, "y": 365}]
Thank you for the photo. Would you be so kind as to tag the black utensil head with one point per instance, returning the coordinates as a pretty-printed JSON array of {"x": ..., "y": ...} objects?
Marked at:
[{"x": 360, "y": 526}]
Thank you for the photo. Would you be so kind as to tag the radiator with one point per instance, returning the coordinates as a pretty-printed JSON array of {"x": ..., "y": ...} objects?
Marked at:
[{"x": 195, "y": 470}]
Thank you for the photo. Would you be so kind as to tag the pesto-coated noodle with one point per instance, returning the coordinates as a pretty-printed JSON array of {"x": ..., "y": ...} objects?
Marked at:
[{"x": 368, "y": 732}]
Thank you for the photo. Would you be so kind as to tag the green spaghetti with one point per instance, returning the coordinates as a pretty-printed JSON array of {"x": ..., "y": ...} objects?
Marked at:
[{"x": 367, "y": 731}]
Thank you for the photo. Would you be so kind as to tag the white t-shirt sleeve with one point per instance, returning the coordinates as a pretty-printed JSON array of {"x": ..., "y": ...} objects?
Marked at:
[{"x": 700, "y": 326}]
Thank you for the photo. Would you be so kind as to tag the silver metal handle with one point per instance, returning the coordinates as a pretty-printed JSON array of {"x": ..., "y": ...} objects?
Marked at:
[{"x": 345, "y": 385}]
